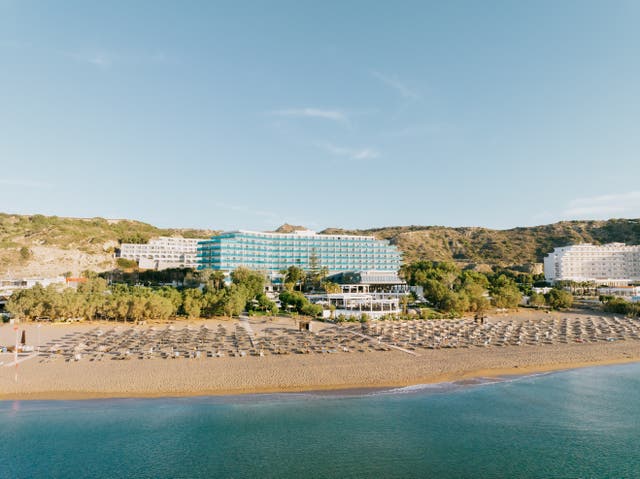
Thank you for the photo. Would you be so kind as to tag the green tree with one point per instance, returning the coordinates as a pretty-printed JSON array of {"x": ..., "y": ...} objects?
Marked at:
[
  {"x": 559, "y": 299},
  {"x": 93, "y": 294},
  {"x": 173, "y": 295},
  {"x": 616, "y": 305},
  {"x": 475, "y": 278},
  {"x": 192, "y": 302},
  {"x": 455, "y": 302},
  {"x": 217, "y": 280},
  {"x": 27, "y": 304},
  {"x": 310, "y": 309},
  {"x": 252, "y": 280},
  {"x": 331, "y": 288},
  {"x": 158, "y": 307},
  {"x": 293, "y": 300},
  {"x": 447, "y": 273},
  {"x": 316, "y": 274},
  {"x": 234, "y": 300},
  {"x": 296, "y": 276},
  {"x": 505, "y": 292},
  {"x": 262, "y": 303},
  {"x": 537, "y": 300},
  {"x": 435, "y": 292},
  {"x": 211, "y": 279},
  {"x": 476, "y": 295}
]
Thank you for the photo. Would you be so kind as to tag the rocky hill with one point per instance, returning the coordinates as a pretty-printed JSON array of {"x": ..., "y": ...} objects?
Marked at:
[
  {"x": 44, "y": 246},
  {"x": 517, "y": 246},
  {"x": 37, "y": 245},
  {"x": 287, "y": 228}
]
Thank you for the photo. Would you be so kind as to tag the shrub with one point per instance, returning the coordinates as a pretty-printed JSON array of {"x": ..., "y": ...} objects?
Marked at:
[{"x": 125, "y": 263}]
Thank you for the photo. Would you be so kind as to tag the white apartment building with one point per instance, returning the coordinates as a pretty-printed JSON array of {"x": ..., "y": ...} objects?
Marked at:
[
  {"x": 613, "y": 264},
  {"x": 9, "y": 285},
  {"x": 163, "y": 252}
]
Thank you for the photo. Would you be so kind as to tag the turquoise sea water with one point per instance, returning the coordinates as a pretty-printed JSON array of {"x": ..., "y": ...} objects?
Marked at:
[{"x": 582, "y": 423}]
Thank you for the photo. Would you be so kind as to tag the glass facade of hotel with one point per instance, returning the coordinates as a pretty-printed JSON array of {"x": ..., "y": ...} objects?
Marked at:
[{"x": 273, "y": 252}]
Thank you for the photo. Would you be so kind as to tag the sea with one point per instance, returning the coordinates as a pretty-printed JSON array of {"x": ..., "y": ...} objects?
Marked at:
[{"x": 582, "y": 423}]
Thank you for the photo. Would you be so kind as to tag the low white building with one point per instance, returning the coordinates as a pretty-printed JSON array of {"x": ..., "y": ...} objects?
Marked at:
[
  {"x": 163, "y": 252},
  {"x": 613, "y": 264},
  {"x": 9, "y": 285},
  {"x": 373, "y": 293},
  {"x": 373, "y": 305},
  {"x": 626, "y": 292}
]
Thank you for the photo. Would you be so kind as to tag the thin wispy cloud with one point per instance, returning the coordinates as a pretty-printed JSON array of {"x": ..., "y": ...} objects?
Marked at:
[
  {"x": 616, "y": 204},
  {"x": 366, "y": 153},
  {"x": 102, "y": 60},
  {"x": 96, "y": 58},
  {"x": 395, "y": 84},
  {"x": 24, "y": 183},
  {"x": 333, "y": 115}
]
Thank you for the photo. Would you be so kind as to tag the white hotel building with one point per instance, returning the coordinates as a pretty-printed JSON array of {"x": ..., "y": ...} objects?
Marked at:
[
  {"x": 613, "y": 264},
  {"x": 163, "y": 252}
]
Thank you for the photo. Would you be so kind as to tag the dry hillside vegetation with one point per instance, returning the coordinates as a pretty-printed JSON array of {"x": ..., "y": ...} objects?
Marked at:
[
  {"x": 37, "y": 245},
  {"x": 40, "y": 245},
  {"x": 510, "y": 247}
]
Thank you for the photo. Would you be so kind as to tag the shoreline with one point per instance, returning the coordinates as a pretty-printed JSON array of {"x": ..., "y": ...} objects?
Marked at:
[
  {"x": 356, "y": 388},
  {"x": 361, "y": 369}
]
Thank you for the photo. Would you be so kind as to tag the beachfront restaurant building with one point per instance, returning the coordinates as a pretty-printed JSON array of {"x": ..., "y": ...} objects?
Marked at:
[
  {"x": 371, "y": 293},
  {"x": 274, "y": 252}
]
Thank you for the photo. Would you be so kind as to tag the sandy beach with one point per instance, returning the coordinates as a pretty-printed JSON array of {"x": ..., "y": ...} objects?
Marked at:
[{"x": 40, "y": 378}]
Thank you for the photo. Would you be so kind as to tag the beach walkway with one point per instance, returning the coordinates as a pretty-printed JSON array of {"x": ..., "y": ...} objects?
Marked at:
[
  {"x": 244, "y": 322},
  {"x": 21, "y": 360}
]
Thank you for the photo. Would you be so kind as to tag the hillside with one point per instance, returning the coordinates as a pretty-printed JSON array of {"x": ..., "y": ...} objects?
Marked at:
[
  {"x": 34, "y": 246},
  {"x": 515, "y": 246},
  {"x": 287, "y": 228}
]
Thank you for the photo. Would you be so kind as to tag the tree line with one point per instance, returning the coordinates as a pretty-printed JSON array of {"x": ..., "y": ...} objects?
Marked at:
[
  {"x": 95, "y": 299},
  {"x": 447, "y": 288},
  {"x": 453, "y": 290},
  {"x": 616, "y": 305}
]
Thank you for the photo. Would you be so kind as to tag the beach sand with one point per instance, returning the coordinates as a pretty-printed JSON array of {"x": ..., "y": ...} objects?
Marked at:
[{"x": 288, "y": 373}]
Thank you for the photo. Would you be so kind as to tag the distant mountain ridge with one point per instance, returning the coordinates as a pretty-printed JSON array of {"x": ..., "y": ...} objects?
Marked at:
[
  {"x": 37, "y": 245},
  {"x": 516, "y": 246}
]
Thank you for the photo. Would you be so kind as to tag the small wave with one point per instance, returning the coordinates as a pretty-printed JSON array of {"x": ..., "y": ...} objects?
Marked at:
[
  {"x": 450, "y": 386},
  {"x": 419, "y": 388}
]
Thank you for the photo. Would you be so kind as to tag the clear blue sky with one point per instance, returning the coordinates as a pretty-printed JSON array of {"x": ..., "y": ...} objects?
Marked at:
[{"x": 348, "y": 113}]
